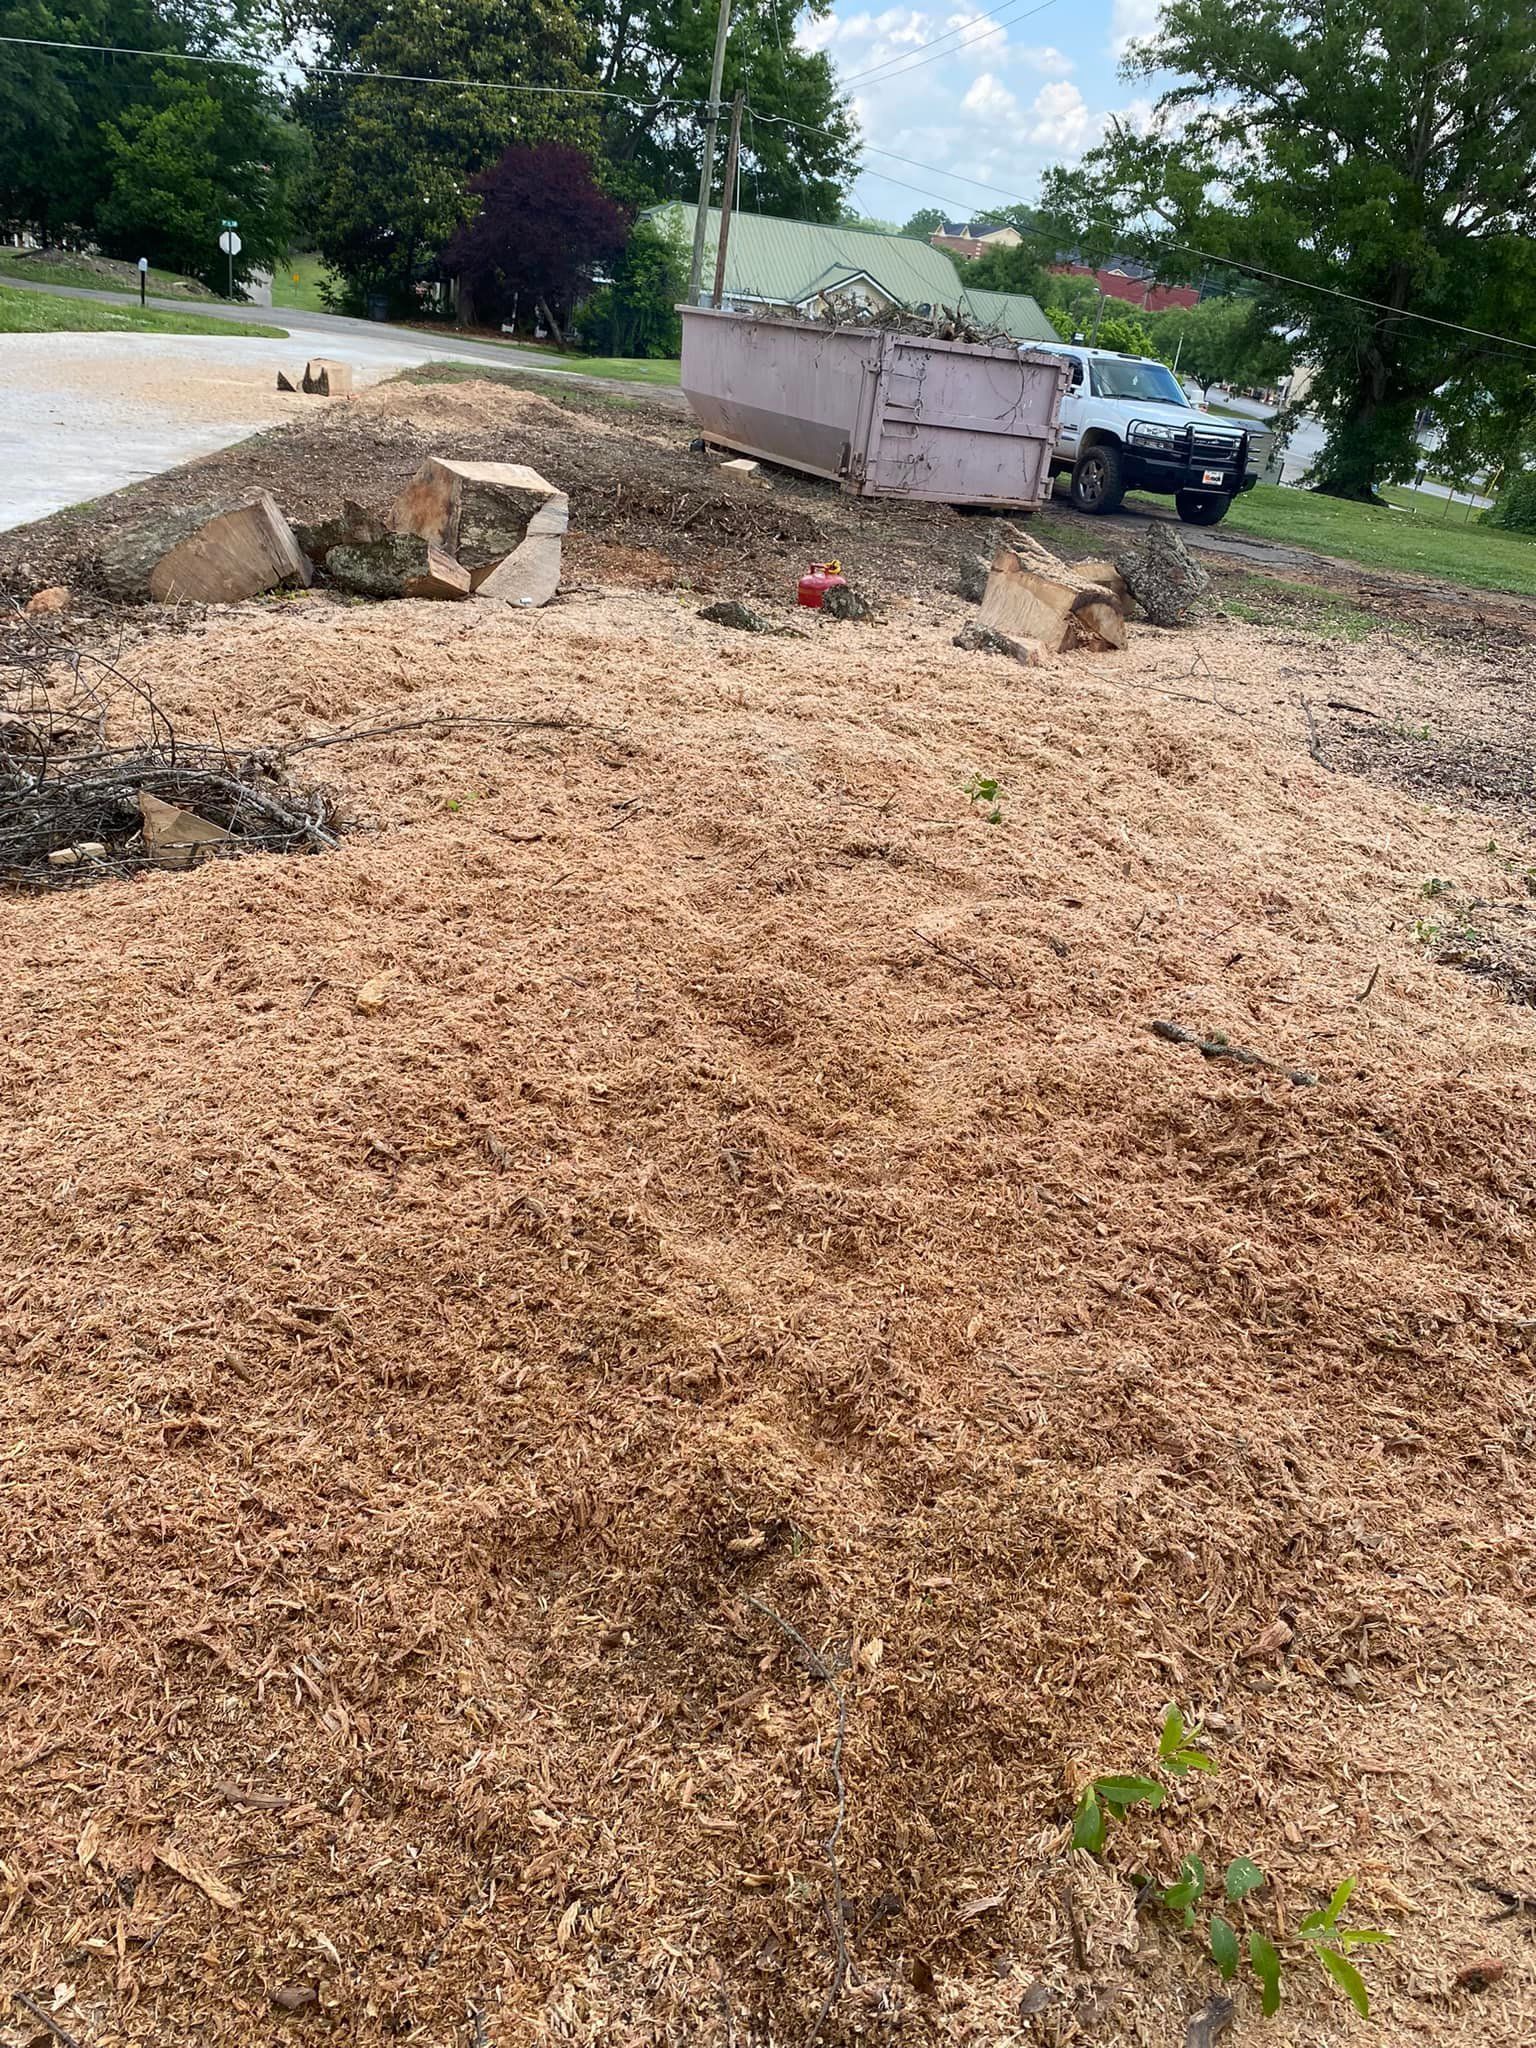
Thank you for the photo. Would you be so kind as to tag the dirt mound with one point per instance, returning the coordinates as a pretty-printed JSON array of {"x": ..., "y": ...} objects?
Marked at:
[
  {"x": 477, "y": 405},
  {"x": 747, "y": 1342}
]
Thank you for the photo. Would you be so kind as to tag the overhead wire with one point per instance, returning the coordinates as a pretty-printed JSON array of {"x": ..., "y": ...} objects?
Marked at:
[
  {"x": 1179, "y": 248},
  {"x": 575, "y": 92},
  {"x": 802, "y": 127},
  {"x": 897, "y": 66}
]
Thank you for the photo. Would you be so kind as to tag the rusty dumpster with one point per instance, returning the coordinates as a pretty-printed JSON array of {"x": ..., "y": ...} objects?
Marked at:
[{"x": 883, "y": 413}]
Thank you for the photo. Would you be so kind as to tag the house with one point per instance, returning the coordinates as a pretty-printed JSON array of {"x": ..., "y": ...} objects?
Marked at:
[
  {"x": 1016, "y": 313},
  {"x": 972, "y": 238},
  {"x": 807, "y": 266},
  {"x": 1124, "y": 278}
]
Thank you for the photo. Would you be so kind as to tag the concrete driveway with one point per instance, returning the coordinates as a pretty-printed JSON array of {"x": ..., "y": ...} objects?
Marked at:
[{"x": 84, "y": 414}]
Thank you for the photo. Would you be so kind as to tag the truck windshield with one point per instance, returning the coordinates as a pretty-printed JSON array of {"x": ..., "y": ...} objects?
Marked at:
[{"x": 1129, "y": 379}]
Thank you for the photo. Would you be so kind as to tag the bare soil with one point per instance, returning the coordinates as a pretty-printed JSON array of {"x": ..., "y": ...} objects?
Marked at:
[{"x": 618, "y": 1486}]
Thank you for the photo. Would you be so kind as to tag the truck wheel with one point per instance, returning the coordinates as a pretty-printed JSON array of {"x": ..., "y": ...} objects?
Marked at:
[
  {"x": 1098, "y": 479},
  {"x": 1199, "y": 508}
]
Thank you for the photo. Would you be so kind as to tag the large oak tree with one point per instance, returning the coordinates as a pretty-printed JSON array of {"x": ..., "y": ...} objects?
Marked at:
[{"x": 1375, "y": 150}]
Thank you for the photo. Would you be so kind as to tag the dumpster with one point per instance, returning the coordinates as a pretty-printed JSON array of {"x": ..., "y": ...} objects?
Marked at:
[{"x": 884, "y": 414}]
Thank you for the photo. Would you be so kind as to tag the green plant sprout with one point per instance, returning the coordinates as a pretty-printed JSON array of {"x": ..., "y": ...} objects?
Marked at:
[
  {"x": 985, "y": 789},
  {"x": 1322, "y": 1933}
]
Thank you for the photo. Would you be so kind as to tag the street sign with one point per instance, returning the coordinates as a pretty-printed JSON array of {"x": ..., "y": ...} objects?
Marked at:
[
  {"x": 231, "y": 245},
  {"x": 143, "y": 263},
  {"x": 229, "y": 223}
]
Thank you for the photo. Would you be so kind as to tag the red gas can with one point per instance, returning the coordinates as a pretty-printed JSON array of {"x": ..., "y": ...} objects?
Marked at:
[{"x": 818, "y": 580}]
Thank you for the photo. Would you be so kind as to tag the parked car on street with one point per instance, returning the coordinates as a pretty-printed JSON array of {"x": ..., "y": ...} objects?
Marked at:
[{"x": 1127, "y": 425}]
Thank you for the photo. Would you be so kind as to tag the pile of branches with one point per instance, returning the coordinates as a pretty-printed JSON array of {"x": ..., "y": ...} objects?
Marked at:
[
  {"x": 944, "y": 323},
  {"x": 70, "y": 810}
]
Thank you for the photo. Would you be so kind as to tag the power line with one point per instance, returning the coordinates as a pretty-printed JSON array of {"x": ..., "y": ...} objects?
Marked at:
[
  {"x": 574, "y": 92},
  {"x": 779, "y": 120},
  {"x": 916, "y": 50},
  {"x": 1181, "y": 248}
]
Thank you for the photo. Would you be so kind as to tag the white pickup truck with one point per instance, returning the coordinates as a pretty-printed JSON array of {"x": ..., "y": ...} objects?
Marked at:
[{"x": 1126, "y": 425}]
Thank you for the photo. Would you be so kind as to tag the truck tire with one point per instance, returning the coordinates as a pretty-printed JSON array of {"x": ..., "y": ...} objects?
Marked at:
[
  {"x": 1201, "y": 508},
  {"x": 1098, "y": 478}
]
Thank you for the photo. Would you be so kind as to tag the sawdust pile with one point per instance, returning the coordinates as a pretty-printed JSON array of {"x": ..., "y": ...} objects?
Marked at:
[{"x": 745, "y": 1204}]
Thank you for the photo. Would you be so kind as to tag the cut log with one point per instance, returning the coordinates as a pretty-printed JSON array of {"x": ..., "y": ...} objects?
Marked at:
[
  {"x": 1164, "y": 578},
  {"x": 214, "y": 553},
  {"x": 1039, "y": 604},
  {"x": 1098, "y": 627},
  {"x": 1107, "y": 574},
  {"x": 530, "y": 575},
  {"x": 352, "y": 526},
  {"x": 477, "y": 511},
  {"x": 327, "y": 379},
  {"x": 285, "y": 383},
  {"x": 979, "y": 639},
  {"x": 399, "y": 565}
]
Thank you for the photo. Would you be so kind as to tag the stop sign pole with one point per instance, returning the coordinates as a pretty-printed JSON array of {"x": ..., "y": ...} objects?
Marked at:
[{"x": 230, "y": 243}]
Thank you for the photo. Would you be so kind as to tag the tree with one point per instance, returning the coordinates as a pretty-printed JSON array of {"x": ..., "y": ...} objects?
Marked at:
[
  {"x": 1008, "y": 269},
  {"x": 1070, "y": 302},
  {"x": 56, "y": 104},
  {"x": 925, "y": 222},
  {"x": 850, "y": 217},
  {"x": 187, "y": 159},
  {"x": 636, "y": 314},
  {"x": 1380, "y": 149},
  {"x": 393, "y": 161},
  {"x": 799, "y": 144},
  {"x": 1126, "y": 333},
  {"x": 544, "y": 225},
  {"x": 1222, "y": 341}
]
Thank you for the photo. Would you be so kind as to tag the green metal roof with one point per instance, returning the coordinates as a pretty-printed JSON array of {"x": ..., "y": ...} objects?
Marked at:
[
  {"x": 785, "y": 261},
  {"x": 1015, "y": 312}
]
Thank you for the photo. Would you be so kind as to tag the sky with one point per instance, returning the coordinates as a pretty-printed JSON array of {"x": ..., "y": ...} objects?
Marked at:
[{"x": 1004, "y": 97}]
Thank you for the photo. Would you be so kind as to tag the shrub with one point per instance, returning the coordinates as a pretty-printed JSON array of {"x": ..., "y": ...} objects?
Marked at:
[{"x": 1515, "y": 509}]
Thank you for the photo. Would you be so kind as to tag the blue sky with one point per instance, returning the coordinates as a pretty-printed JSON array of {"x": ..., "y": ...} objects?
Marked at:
[{"x": 1004, "y": 97}]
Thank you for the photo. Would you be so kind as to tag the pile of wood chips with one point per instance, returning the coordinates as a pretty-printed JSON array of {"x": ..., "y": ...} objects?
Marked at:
[{"x": 612, "y": 1396}]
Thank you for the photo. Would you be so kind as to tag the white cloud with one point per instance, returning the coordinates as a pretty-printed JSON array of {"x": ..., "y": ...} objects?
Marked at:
[
  {"x": 969, "y": 118},
  {"x": 1132, "y": 18},
  {"x": 1060, "y": 119},
  {"x": 1047, "y": 59},
  {"x": 986, "y": 38},
  {"x": 991, "y": 101}
]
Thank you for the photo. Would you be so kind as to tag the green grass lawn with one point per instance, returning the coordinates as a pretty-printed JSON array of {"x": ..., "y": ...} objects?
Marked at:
[
  {"x": 36, "y": 313},
  {"x": 1481, "y": 556},
  {"x": 96, "y": 273},
  {"x": 630, "y": 369},
  {"x": 296, "y": 283},
  {"x": 1429, "y": 505}
]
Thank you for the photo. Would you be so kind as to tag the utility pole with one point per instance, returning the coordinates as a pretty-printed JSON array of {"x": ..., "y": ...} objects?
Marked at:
[
  {"x": 728, "y": 192},
  {"x": 707, "y": 170}
]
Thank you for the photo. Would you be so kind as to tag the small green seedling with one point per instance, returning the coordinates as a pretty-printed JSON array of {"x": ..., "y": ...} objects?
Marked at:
[
  {"x": 986, "y": 790},
  {"x": 1435, "y": 886},
  {"x": 1321, "y": 1933}
]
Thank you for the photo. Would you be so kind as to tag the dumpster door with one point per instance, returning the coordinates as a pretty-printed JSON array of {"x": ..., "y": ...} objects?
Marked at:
[{"x": 962, "y": 423}]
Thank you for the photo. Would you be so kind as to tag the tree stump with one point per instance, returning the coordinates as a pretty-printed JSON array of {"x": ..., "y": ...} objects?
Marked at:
[{"x": 475, "y": 511}]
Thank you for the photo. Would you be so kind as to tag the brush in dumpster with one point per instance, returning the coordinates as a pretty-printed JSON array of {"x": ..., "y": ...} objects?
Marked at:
[{"x": 76, "y": 809}]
